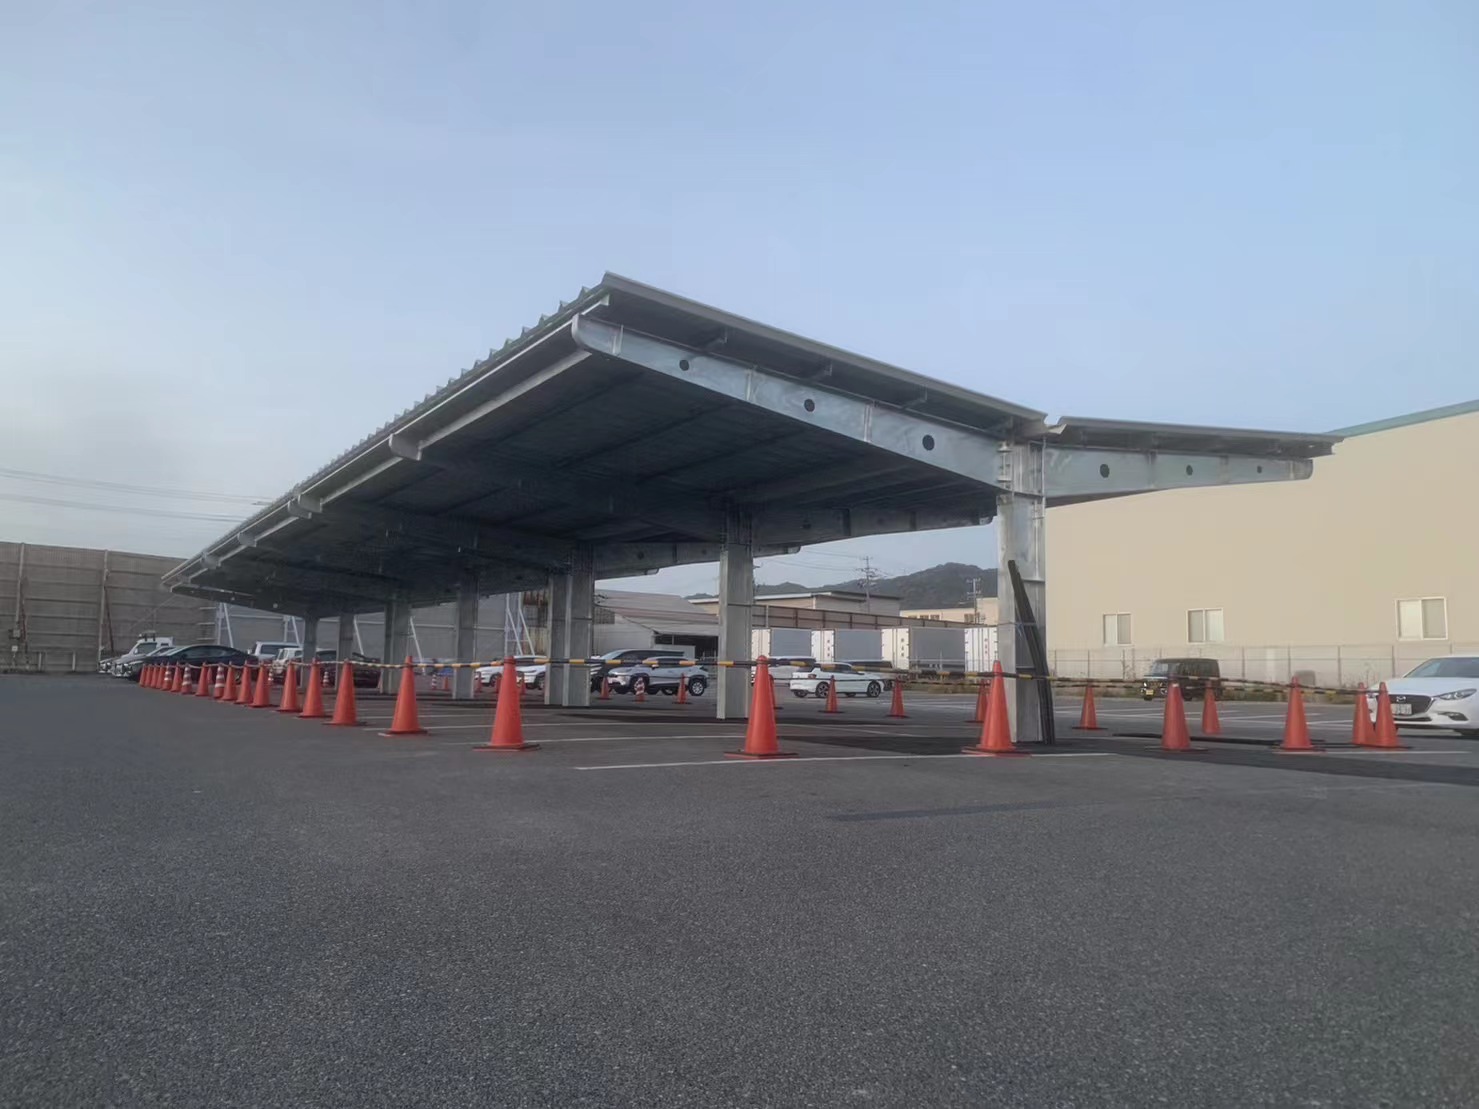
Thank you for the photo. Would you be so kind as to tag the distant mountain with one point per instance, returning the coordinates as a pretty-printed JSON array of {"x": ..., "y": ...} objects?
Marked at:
[{"x": 944, "y": 586}]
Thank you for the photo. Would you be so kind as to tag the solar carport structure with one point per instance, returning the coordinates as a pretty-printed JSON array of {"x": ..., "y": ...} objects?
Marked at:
[{"x": 634, "y": 429}]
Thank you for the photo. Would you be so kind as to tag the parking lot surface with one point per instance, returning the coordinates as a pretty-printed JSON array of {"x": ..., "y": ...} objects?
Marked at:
[{"x": 207, "y": 904}]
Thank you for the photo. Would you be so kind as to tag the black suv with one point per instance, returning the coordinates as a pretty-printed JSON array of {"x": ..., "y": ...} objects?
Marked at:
[
  {"x": 1194, "y": 675},
  {"x": 198, "y": 654}
]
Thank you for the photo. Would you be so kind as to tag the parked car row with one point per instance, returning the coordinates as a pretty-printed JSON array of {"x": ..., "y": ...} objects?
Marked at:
[{"x": 366, "y": 674}]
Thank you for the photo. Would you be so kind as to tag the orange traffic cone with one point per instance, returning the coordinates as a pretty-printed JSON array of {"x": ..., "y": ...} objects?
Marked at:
[
  {"x": 187, "y": 682},
  {"x": 229, "y": 692},
  {"x": 1211, "y": 722},
  {"x": 244, "y": 690},
  {"x": 262, "y": 698},
  {"x": 760, "y": 737},
  {"x": 1174, "y": 736},
  {"x": 1296, "y": 728},
  {"x": 218, "y": 687},
  {"x": 897, "y": 708},
  {"x": 405, "y": 721},
  {"x": 508, "y": 717},
  {"x": 832, "y": 696},
  {"x": 346, "y": 714},
  {"x": 313, "y": 695},
  {"x": 1386, "y": 723},
  {"x": 996, "y": 728},
  {"x": 682, "y": 688},
  {"x": 1362, "y": 734},
  {"x": 203, "y": 687},
  {"x": 983, "y": 695},
  {"x": 146, "y": 675},
  {"x": 641, "y": 691},
  {"x": 290, "y": 689},
  {"x": 1088, "y": 717},
  {"x": 605, "y": 689}
]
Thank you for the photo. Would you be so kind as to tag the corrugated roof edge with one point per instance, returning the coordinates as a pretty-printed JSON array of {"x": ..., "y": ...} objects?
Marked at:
[
  {"x": 529, "y": 335},
  {"x": 1427, "y": 415}
]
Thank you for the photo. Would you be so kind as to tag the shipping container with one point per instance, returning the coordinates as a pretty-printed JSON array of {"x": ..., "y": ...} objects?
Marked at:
[
  {"x": 783, "y": 642},
  {"x": 938, "y": 649},
  {"x": 851, "y": 645},
  {"x": 980, "y": 648}
]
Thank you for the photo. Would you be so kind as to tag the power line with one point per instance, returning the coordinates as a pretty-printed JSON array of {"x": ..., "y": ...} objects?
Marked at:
[
  {"x": 120, "y": 487},
  {"x": 128, "y": 510}
]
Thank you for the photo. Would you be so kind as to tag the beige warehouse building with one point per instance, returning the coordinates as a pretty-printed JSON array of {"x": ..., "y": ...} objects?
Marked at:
[{"x": 1357, "y": 574}]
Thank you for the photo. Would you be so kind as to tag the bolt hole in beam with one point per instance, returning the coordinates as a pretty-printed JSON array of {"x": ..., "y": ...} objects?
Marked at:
[
  {"x": 683, "y": 364},
  {"x": 809, "y": 404},
  {"x": 928, "y": 442},
  {"x": 1188, "y": 471},
  {"x": 1104, "y": 469}
]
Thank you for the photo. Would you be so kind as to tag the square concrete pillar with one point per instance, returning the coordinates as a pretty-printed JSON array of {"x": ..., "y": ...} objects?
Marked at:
[
  {"x": 397, "y": 633},
  {"x": 310, "y": 638},
  {"x": 344, "y": 642},
  {"x": 1021, "y": 537},
  {"x": 467, "y": 627},
  {"x": 736, "y": 603},
  {"x": 556, "y": 675},
  {"x": 580, "y": 629}
]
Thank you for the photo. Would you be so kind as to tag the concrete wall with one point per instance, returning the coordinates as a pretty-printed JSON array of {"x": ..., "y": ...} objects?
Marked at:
[
  {"x": 61, "y": 606},
  {"x": 1307, "y": 575}
]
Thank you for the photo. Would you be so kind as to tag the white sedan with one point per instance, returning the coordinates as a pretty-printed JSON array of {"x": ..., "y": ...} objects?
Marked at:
[
  {"x": 850, "y": 681},
  {"x": 1441, "y": 693},
  {"x": 528, "y": 667}
]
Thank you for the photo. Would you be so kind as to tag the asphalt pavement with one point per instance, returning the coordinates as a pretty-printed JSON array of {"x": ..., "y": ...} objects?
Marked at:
[{"x": 207, "y": 904}]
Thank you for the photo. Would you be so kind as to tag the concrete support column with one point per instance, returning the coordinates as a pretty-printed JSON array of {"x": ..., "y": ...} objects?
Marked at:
[
  {"x": 580, "y": 626},
  {"x": 736, "y": 601},
  {"x": 310, "y": 638},
  {"x": 467, "y": 629},
  {"x": 345, "y": 641},
  {"x": 556, "y": 675},
  {"x": 1021, "y": 537},
  {"x": 397, "y": 632}
]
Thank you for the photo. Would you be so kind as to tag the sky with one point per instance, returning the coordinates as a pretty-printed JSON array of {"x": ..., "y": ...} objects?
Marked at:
[{"x": 238, "y": 238}]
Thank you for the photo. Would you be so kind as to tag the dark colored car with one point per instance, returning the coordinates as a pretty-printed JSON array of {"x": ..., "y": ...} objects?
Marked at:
[
  {"x": 365, "y": 676},
  {"x": 197, "y": 654},
  {"x": 1193, "y": 675}
]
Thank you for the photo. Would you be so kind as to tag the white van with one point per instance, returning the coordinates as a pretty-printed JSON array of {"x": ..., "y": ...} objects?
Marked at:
[
  {"x": 146, "y": 645},
  {"x": 265, "y": 651}
]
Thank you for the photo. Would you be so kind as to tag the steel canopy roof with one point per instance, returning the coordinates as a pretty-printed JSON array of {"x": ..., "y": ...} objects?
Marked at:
[{"x": 642, "y": 426}]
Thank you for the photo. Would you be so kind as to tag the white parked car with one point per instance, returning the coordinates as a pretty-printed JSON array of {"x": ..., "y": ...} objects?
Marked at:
[
  {"x": 1441, "y": 693},
  {"x": 850, "y": 681},
  {"x": 529, "y": 668}
]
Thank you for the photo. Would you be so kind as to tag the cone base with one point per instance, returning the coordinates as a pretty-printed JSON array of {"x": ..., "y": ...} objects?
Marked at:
[
  {"x": 293, "y": 711},
  {"x": 351, "y": 724},
  {"x": 405, "y": 731},
  {"x": 1182, "y": 750},
  {"x": 898, "y": 716},
  {"x": 1381, "y": 750},
  {"x": 262, "y": 706},
  {"x": 1084, "y": 728},
  {"x": 768, "y": 755},
  {"x": 506, "y": 747},
  {"x": 1299, "y": 750},
  {"x": 313, "y": 716},
  {"x": 1012, "y": 754}
]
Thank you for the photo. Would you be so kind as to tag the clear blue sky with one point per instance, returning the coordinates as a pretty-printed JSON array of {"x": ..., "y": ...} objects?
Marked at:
[{"x": 235, "y": 241}]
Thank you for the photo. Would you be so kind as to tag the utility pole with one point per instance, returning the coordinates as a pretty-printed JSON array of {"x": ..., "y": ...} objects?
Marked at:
[
  {"x": 974, "y": 595},
  {"x": 870, "y": 575}
]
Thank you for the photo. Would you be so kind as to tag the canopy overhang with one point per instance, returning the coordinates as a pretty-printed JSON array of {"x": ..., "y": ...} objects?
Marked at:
[{"x": 641, "y": 430}]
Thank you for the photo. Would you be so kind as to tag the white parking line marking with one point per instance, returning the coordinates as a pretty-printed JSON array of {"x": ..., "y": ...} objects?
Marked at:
[{"x": 830, "y": 758}]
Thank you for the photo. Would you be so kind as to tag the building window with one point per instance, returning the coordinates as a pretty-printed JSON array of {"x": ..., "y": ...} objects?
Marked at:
[
  {"x": 1422, "y": 618},
  {"x": 1204, "y": 625},
  {"x": 1117, "y": 629}
]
